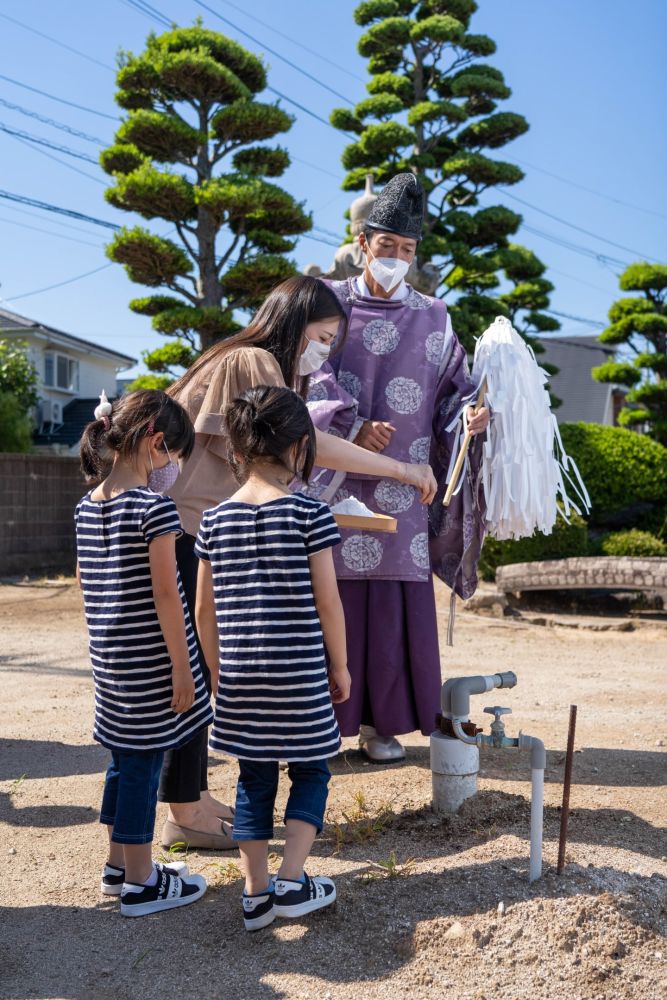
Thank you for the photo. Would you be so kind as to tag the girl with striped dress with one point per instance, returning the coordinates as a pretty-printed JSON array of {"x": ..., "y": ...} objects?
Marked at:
[
  {"x": 149, "y": 690},
  {"x": 267, "y": 603}
]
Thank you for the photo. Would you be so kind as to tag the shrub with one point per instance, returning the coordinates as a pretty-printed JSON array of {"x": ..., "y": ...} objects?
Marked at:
[
  {"x": 564, "y": 541},
  {"x": 633, "y": 543},
  {"x": 621, "y": 469},
  {"x": 15, "y": 424}
]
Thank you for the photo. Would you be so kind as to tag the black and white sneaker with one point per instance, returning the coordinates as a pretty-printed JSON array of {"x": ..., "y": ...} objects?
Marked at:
[
  {"x": 111, "y": 883},
  {"x": 169, "y": 892},
  {"x": 295, "y": 899},
  {"x": 258, "y": 909}
]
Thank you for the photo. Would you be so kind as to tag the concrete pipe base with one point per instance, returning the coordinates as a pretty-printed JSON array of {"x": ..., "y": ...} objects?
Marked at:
[{"x": 454, "y": 768}]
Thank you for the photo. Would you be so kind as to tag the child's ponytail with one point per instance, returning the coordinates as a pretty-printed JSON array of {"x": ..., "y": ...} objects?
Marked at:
[
  {"x": 120, "y": 427},
  {"x": 265, "y": 422}
]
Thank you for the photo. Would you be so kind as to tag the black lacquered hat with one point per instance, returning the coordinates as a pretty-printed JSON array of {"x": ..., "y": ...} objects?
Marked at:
[{"x": 399, "y": 208}]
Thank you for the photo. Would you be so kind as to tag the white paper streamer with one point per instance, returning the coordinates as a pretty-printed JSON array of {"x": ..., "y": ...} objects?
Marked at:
[{"x": 524, "y": 464}]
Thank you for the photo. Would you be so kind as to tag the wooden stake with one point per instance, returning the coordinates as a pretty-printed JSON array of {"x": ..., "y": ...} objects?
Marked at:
[
  {"x": 567, "y": 781},
  {"x": 464, "y": 450}
]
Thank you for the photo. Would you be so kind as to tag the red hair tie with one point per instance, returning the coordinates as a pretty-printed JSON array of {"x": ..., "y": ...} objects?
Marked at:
[{"x": 151, "y": 428}]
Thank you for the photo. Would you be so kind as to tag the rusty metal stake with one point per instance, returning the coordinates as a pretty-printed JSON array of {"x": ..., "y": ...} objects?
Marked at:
[{"x": 567, "y": 781}]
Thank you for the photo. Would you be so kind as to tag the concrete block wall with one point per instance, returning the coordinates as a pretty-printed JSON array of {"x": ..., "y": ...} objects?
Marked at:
[{"x": 38, "y": 494}]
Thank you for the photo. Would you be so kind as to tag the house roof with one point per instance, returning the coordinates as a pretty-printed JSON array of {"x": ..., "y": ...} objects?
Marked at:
[
  {"x": 583, "y": 398},
  {"x": 11, "y": 322}
]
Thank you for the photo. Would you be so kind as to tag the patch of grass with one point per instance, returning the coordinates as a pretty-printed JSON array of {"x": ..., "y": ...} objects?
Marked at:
[
  {"x": 16, "y": 784},
  {"x": 177, "y": 852},
  {"x": 361, "y": 823},
  {"x": 389, "y": 868},
  {"x": 227, "y": 871}
]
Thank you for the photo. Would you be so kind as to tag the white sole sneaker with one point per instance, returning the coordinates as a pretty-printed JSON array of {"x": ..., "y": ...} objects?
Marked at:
[
  {"x": 296, "y": 899},
  {"x": 169, "y": 893},
  {"x": 112, "y": 884}
]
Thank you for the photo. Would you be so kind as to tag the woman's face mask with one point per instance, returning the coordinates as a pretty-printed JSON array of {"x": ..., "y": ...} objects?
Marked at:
[
  {"x": 313, "y": 357},
  {"x": 387, "y": 271},
  {"x": 161, "y": 480}
]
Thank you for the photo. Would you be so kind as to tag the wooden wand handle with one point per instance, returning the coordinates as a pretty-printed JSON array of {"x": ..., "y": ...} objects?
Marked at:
[{"x": 464, "y": 449}]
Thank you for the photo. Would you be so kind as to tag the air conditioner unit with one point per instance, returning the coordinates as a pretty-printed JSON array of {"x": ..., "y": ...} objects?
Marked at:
[{"x": 51, "y": 411}]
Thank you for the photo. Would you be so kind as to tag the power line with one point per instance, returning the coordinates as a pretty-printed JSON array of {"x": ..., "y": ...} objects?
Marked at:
[
  {"x": 277, "y": 31},
  {"x": 58, "y": 284},
  {"x": 59, "y": 100},
  {"x": 56, "y": 159},
  {"x": 48, "y": 232},
  {"x": 582, "y": 187},
  {"x": 56, "y": 41},
  {"x": 148, "y": 11},
  {"x": 273, "y": 52},
  {"x": 20, "y": 134},
  {"x": 47, "y": 207},
  {"x": 589, "y": 252},
  {"x": 51, "y": 121},
  {"x": 576, "y": 319},
  {"x": 571, "y": 225},
  {"x": 56, "y": 222}
]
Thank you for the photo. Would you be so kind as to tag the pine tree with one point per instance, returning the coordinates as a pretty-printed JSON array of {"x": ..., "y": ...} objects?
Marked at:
[
  {"x": 190, "y": 152},
  {"x": 432, "y": 110},
  {"x": 639, "y": 323}
]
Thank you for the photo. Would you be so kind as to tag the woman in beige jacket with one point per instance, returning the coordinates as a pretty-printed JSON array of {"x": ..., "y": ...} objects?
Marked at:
[{"x": 288, "y": 339}]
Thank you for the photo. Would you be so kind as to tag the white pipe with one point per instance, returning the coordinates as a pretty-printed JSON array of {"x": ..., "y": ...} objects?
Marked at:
[{"x": 536, "y": 822}]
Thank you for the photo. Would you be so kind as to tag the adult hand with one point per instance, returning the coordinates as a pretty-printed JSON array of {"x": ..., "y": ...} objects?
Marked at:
[
  {"x": 422, "y": 478},
  {"x": 374, "y": 435},
  {"x": 478, "y": 420},
  {"x": 183, "y": 685}
]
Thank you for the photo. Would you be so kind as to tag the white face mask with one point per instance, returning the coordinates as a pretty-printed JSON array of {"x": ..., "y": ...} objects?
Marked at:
[
  {"x": 387, "y": 271},
  {"x": 313, "y": 357}
]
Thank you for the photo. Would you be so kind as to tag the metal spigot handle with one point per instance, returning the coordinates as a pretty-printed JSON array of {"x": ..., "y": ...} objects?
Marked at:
[{"x": 497, "y": 711}]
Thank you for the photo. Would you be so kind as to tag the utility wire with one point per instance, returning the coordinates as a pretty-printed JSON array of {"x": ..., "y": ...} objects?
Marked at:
[
  {"x": 48, "y": 232},
  {"x": 583, "y": 187},
  {"x": 277, "y": 31},
  {"x": 51, "y": 121},
  {"x": 56, "y": 41},
  {"x": 48, "y": 207},
  {"x": 58, "y": 284},
  {"x": 571, "y": 225},
  {"x": 59, "y": 100},
  {"x": 576, "y": 319},
  {"x": 274, "y": 52},
  {"x": 56, "y": 222},
  {"x": 56, "y": 159},
  {"x": 20, "y": 134}
]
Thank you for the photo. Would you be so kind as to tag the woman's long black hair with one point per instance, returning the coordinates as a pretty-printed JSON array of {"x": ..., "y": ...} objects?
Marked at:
[{"x": 278, "y": 327}]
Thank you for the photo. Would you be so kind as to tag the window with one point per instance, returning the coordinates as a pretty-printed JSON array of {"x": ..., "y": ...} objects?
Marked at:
[{"x": 61, "y": 372}]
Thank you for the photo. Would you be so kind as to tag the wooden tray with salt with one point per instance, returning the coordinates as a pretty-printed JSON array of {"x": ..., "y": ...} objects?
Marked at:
[{"x": 376, "y": 522}]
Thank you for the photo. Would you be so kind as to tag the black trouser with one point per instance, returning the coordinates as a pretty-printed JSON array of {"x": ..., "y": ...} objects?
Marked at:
[{"x": 184, "y": 772}]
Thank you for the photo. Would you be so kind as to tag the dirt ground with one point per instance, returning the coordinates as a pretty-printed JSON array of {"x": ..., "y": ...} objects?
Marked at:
[{"x": 427, "y": 906}]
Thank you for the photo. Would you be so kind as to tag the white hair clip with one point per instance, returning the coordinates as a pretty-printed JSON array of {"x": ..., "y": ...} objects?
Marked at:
[{"x": 103, "y": 410}]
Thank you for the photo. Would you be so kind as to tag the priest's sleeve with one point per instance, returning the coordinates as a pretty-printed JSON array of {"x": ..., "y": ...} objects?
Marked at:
[{"x": 456, "y": 532}]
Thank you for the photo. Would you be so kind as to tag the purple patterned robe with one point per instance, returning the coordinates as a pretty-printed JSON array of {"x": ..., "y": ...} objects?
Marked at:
[{"x": 401, "y": 362}]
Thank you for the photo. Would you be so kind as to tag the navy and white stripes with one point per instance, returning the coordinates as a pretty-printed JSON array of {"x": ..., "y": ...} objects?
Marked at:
[
  {"x": 273, "y": 698},
  {"x": 131, "y": 664}
]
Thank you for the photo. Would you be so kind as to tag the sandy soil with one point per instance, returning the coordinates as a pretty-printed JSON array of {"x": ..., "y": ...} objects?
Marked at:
[{"x": 427, "y": 906}]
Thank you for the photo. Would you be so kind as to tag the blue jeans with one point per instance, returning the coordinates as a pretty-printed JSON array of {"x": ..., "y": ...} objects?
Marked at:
[
  {"x": 130, "y": 795},
  {"x": 256, "y": 796}
]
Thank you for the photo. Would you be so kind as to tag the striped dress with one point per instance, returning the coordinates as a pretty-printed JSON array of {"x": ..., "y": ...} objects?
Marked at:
[
  {"x": 273, "y": 698},
  {"x": 131, "y": 664}
]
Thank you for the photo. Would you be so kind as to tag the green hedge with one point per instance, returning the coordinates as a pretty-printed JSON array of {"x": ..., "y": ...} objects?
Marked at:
[
  {"x": 564, "y": 541},
  {"x": 632, "y": 543},
  {"x": 621, "y": 468}
]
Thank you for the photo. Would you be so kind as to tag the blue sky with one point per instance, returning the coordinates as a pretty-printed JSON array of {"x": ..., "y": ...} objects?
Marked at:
[{"x": 589, "y": 77}]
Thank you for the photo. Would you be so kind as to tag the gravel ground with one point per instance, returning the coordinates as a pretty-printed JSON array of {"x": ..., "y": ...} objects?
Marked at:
[{"x": 426, "y": 906}]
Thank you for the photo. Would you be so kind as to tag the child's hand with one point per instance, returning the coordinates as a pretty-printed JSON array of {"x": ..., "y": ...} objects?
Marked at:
[
  {"x": 340, "y": 683},
  {"x": 184, "y": 689}
]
